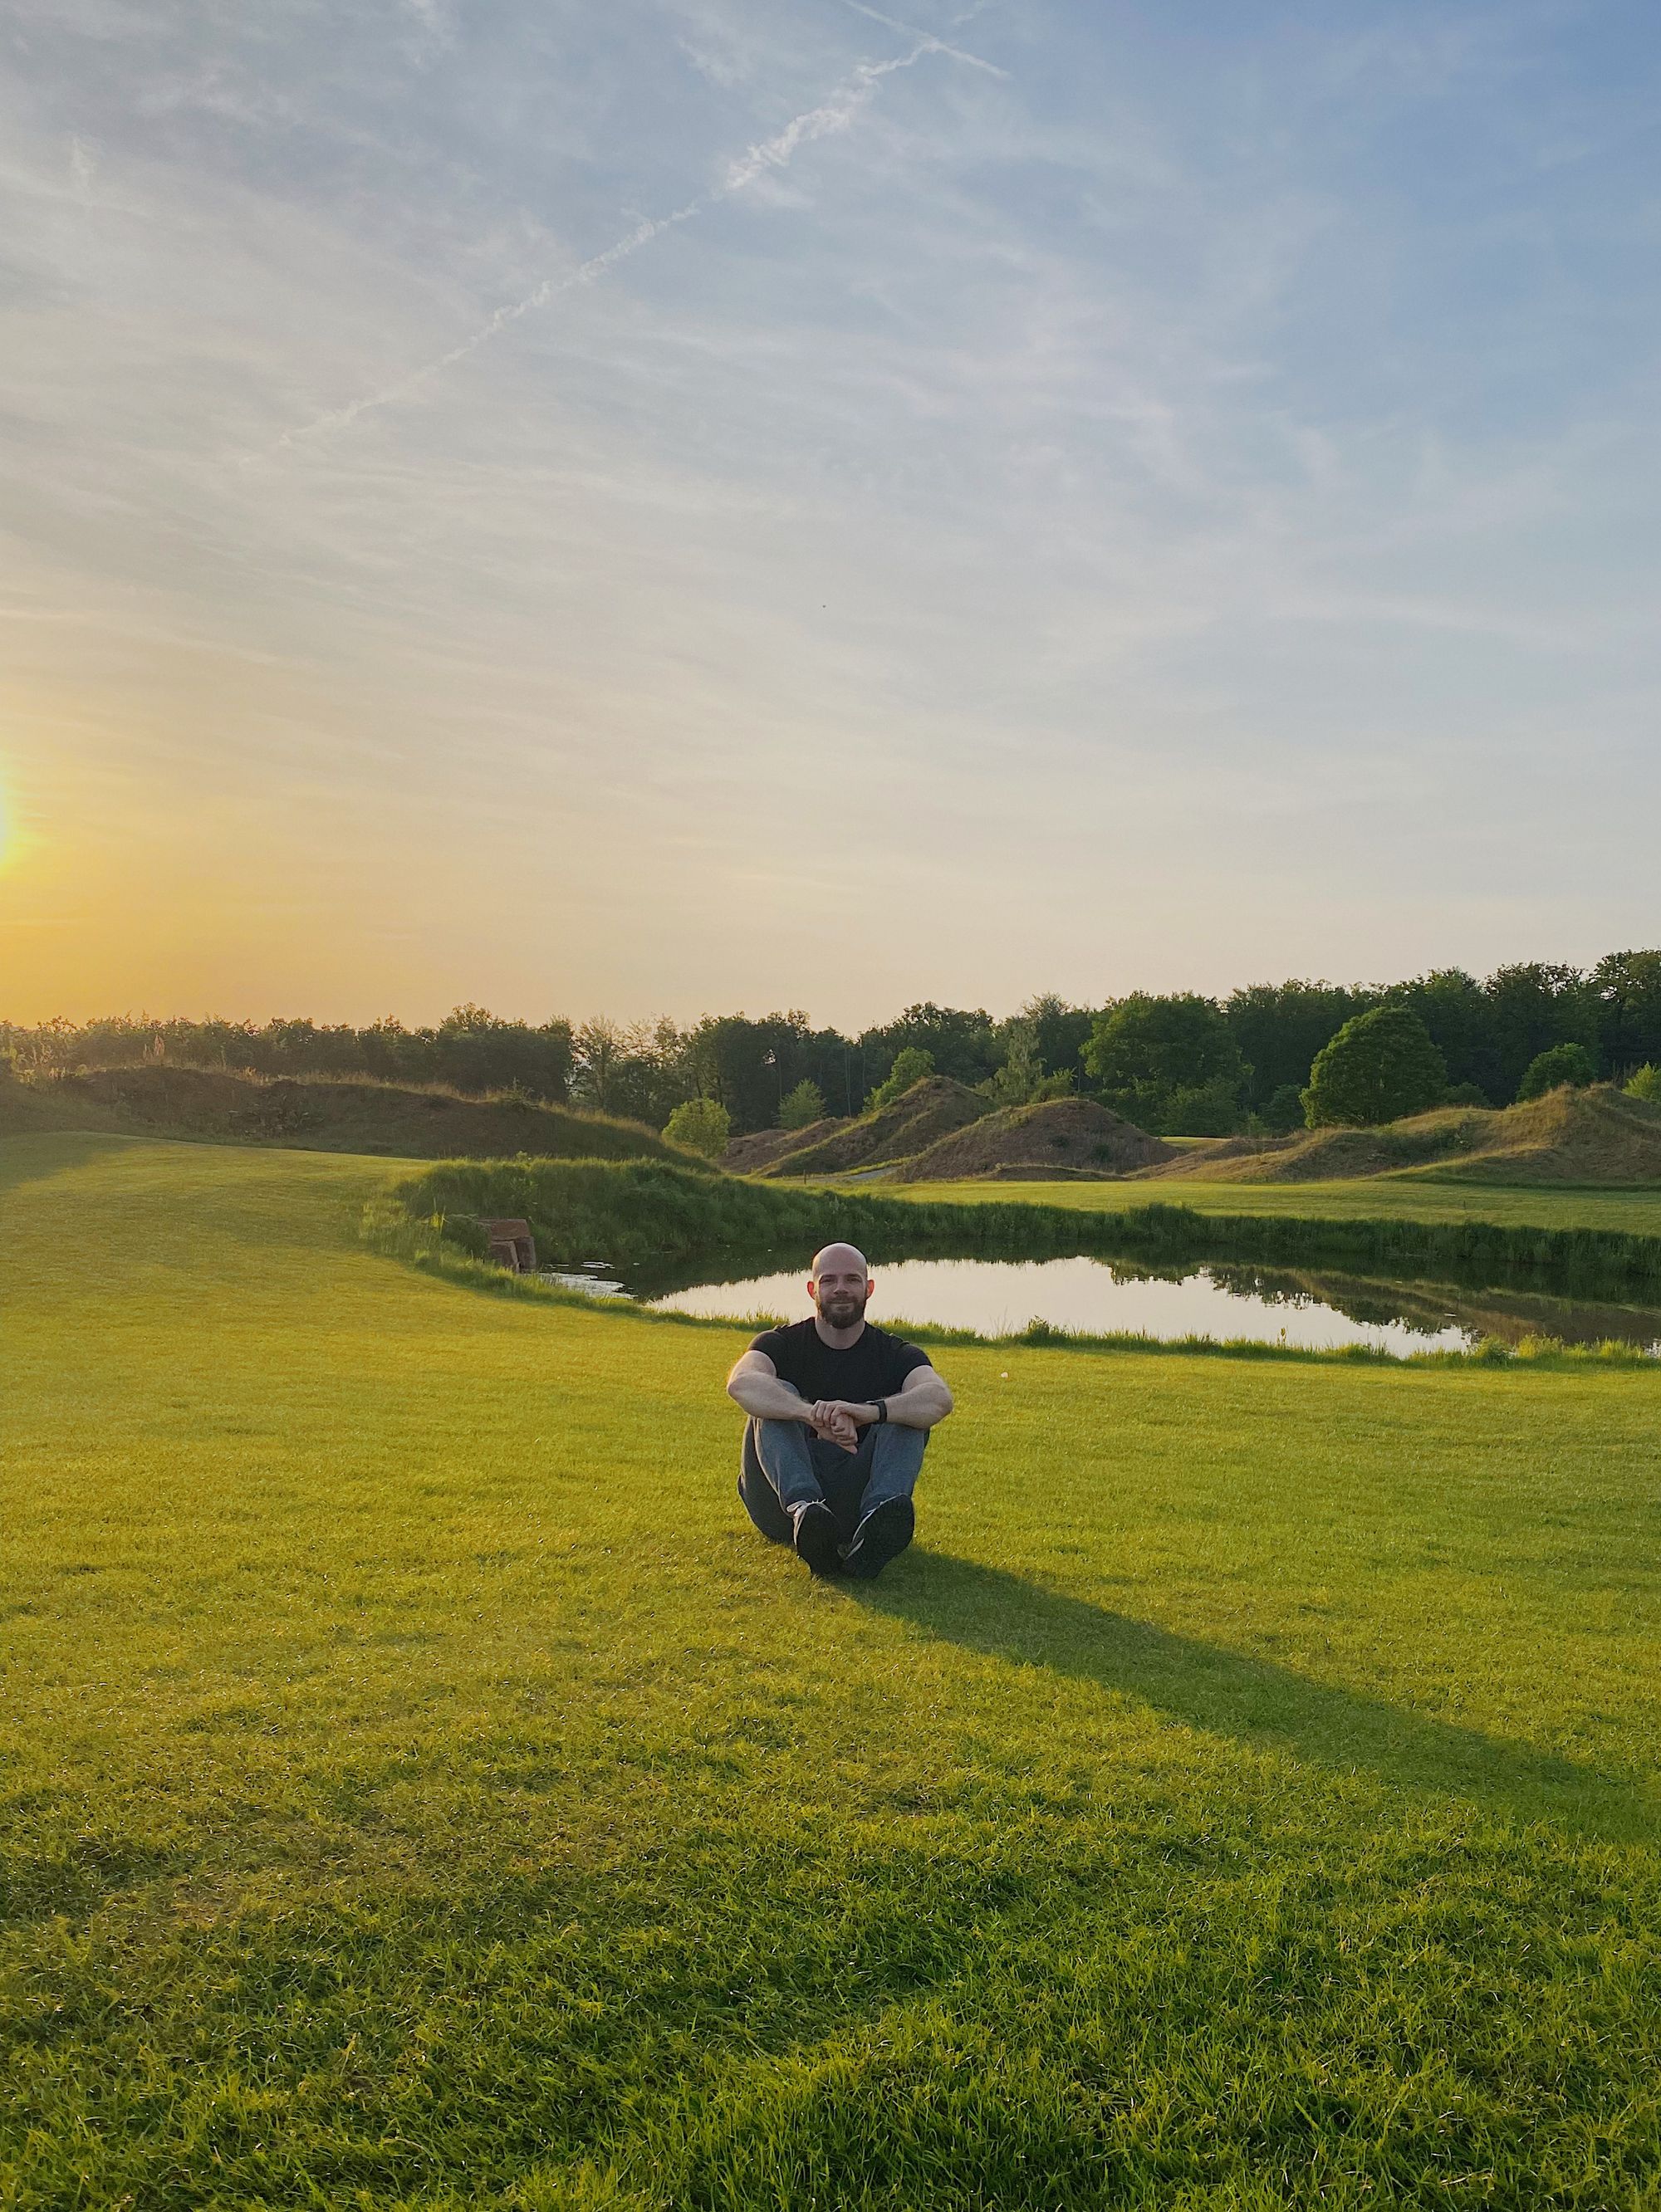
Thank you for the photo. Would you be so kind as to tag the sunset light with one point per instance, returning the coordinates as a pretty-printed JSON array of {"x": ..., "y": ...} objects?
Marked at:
[{"x": 669, "y": 670}]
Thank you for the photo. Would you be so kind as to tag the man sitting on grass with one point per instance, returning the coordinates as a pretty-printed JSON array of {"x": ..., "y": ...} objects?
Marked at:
[{"x": 839, "y": 1417}]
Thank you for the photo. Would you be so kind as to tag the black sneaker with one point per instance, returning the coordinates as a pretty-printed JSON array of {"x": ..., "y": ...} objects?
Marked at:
[
  {"x": 882, "y": 1536},
  {"x": 817, "y": 1538}
]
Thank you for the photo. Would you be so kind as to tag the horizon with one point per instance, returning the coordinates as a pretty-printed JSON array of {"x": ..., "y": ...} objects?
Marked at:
[
  {"x": 733, "y": 506},
  {"x": 686, "y": 1021}
]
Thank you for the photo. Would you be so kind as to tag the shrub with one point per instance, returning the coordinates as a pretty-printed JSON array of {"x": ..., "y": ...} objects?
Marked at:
[
  {"x": 1203, "y": 1109},
  {"x": 1561, "y": 1064},
  {"x": 638, "y": 1210},
  {"x": 799, "y": 1107},
  {"x": 1285, "y": 1110},
  {"x": 1048, "y": 1087},
  {"x": 1646, "y": 1084},
  {"x": 1379, "y": 1066},
  {"x": 1467, "y": 1094},
  {"x": 912, "y": 1066},
  {"x": 701, "y": 1126}
]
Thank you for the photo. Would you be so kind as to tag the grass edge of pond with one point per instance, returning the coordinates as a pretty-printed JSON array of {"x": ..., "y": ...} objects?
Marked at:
[{"x": 611, "y": 1207}]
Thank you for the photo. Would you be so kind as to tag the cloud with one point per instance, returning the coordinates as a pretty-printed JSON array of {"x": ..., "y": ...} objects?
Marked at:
[
  {"x": 926, "y": 40},
  {"x": 766, "y": 157}
]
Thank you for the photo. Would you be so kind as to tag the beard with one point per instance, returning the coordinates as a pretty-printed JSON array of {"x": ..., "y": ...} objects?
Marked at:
[{"x": 843, "y": 1309}]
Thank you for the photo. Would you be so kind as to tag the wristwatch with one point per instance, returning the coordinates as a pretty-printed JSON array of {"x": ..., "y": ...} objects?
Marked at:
[{"x": 881, "y": 1405}]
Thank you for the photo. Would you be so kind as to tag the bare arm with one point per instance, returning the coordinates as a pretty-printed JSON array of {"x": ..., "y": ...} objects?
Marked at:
[
  {"x": 923, "y": 1400},
  {"x": 754, "y": 1384}
]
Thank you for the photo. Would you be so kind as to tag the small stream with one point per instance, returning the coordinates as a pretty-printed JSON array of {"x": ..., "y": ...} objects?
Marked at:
[{"x": 1309, "y": 1310}]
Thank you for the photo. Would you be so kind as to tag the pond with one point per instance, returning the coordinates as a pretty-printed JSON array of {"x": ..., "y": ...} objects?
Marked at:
[{"x": 1308, "y": 1310}]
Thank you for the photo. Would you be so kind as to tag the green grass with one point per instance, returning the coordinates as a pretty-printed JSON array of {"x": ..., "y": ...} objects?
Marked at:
[
  {"x": 638, "y": 1212},
  {"x": 1402, "y": 1198},
  {"x": 423, "y": 1789}
]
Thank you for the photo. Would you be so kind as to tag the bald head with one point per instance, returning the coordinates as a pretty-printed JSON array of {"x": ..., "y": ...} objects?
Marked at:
[
  {"x": 840, "y": 1259},
  {"x": 839, "y": 1286}
]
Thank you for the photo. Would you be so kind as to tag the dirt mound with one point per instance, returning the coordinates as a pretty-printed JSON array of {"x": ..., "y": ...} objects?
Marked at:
[
  {"x": 746, "y": 1155},
  {"x": 1060, "y": 1137},
  {"x": 316, "y": 1114},
  {"x": 930, "y": 1110},
  {"x": 1596, "y": 1136}
]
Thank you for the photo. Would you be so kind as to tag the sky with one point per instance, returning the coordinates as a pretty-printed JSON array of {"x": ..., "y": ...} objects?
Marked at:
[{"x": 715, "y": 504}]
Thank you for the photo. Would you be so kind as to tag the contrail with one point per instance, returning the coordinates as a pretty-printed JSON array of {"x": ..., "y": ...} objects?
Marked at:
[
  {"x": 932, "y": 44},
  {"x": 833, "y": 114}
]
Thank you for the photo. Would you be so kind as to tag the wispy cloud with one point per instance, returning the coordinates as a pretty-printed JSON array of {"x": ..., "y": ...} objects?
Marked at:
[
  {"x": 1207, "y": 424},
  {"x": 835, "y": 114},
  {"x": 926, "y": 40}
]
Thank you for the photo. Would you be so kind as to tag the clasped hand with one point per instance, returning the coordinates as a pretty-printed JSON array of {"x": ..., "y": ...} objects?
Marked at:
[{"x": 839, "y": 1421}]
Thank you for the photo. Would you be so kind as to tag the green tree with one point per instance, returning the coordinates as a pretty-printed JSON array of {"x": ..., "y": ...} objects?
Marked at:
[
  {"x": 1455, "y": 1010},
  {"x": 1534, "y": 1006},
  {"x": 958, "y": 1040},
  {"x": 802, "y": 1106},
  {"x": 1280, "y": 1027},
  {"x": 702, "y": 1124},
  {"x": 1146, "y": 1051},
  {"x": 1203, "y": 1109},
  {"x": 1379, "y": 1066},
  {"x": 912, "y": 1066},
  {"x": 1645, "y": 1082},
  {"x": 1627, "y": 989},
  {"x": 1570, "y": 1064},
  {"x": 1284, "y": 1110},
  {"x": 1022, "y": 1071}
]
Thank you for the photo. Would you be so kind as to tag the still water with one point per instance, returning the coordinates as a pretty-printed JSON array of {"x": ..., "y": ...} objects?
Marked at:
[{"x": 1308, "y": 1311}]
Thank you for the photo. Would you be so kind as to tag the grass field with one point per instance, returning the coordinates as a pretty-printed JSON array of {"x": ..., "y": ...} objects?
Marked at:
[{"x": 423, "y": 1789}]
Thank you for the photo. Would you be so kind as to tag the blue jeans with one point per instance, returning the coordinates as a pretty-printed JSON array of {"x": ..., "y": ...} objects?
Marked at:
[{"x": 784, "y": 1464}]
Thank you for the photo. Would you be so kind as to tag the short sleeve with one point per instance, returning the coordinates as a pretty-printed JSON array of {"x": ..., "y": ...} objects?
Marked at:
[
  {"x": 905, "y": 1360},
  {"x": 768, "y": 1341}
]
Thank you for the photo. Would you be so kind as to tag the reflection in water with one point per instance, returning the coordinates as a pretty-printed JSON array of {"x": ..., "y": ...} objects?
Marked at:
[
  {"x": 1305, "y": 1309},
  {"x": 998, "y": 1297}
]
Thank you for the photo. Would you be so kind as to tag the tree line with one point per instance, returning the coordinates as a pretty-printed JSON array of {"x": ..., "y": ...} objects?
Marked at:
[{"x": 1178, "y": 1063}]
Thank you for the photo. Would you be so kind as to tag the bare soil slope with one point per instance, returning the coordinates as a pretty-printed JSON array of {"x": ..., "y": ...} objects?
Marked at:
[
  {"x": 316, "y": 1114},
  {"x": 930, "y": 1110},
  {"x": 1598, "y": 1136},
  {"x": 1024, "y": 1144}
]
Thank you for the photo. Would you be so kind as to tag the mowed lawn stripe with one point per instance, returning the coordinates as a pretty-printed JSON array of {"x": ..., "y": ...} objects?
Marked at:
[{"x": 422, "y": 1787}]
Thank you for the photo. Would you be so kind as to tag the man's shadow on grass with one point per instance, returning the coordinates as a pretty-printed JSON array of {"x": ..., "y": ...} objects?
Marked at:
[{"x": 1253, "y": 1701}]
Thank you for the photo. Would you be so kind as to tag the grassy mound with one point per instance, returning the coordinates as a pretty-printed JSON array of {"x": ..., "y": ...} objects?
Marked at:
[
  {"x": 748, "y": 1155},
  {"x": 1023, "y": 1144},
  {"x": 930, "y": 1110},
  {"x": 422, "y": 1787},
  {"x": 318, "y": 1115},
  {"x": 1596, "y": 1136}
]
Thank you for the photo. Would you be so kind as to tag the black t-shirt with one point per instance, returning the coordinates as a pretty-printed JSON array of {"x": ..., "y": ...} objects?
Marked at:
[{"x": 875, "y": 1365}]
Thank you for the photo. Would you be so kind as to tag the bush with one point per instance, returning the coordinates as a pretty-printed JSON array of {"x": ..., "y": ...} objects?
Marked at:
[
  {"x": 1646, "y": 1084},
  {"x": 634, "y": 1210},
  {"x": 1058, "y": 1085},
  {"x": 1203, "y": 1109},
  {"x": 912, "y": 1065},
  {"x": 1285, "y": 1111},
  {"x": 800, "y": 1108},
  {"x": 1379, "y": 1066},
  {"x": 1562, "y": 1063},
  {"x": 701, "y": 1126},
  {"x": 1467, "y": 1094}
]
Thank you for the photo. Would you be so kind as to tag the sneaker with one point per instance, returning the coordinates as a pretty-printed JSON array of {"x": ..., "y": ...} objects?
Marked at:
[
  {"x": 882, "y": 1536},
  {"x": 817, "y": 1537}
]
